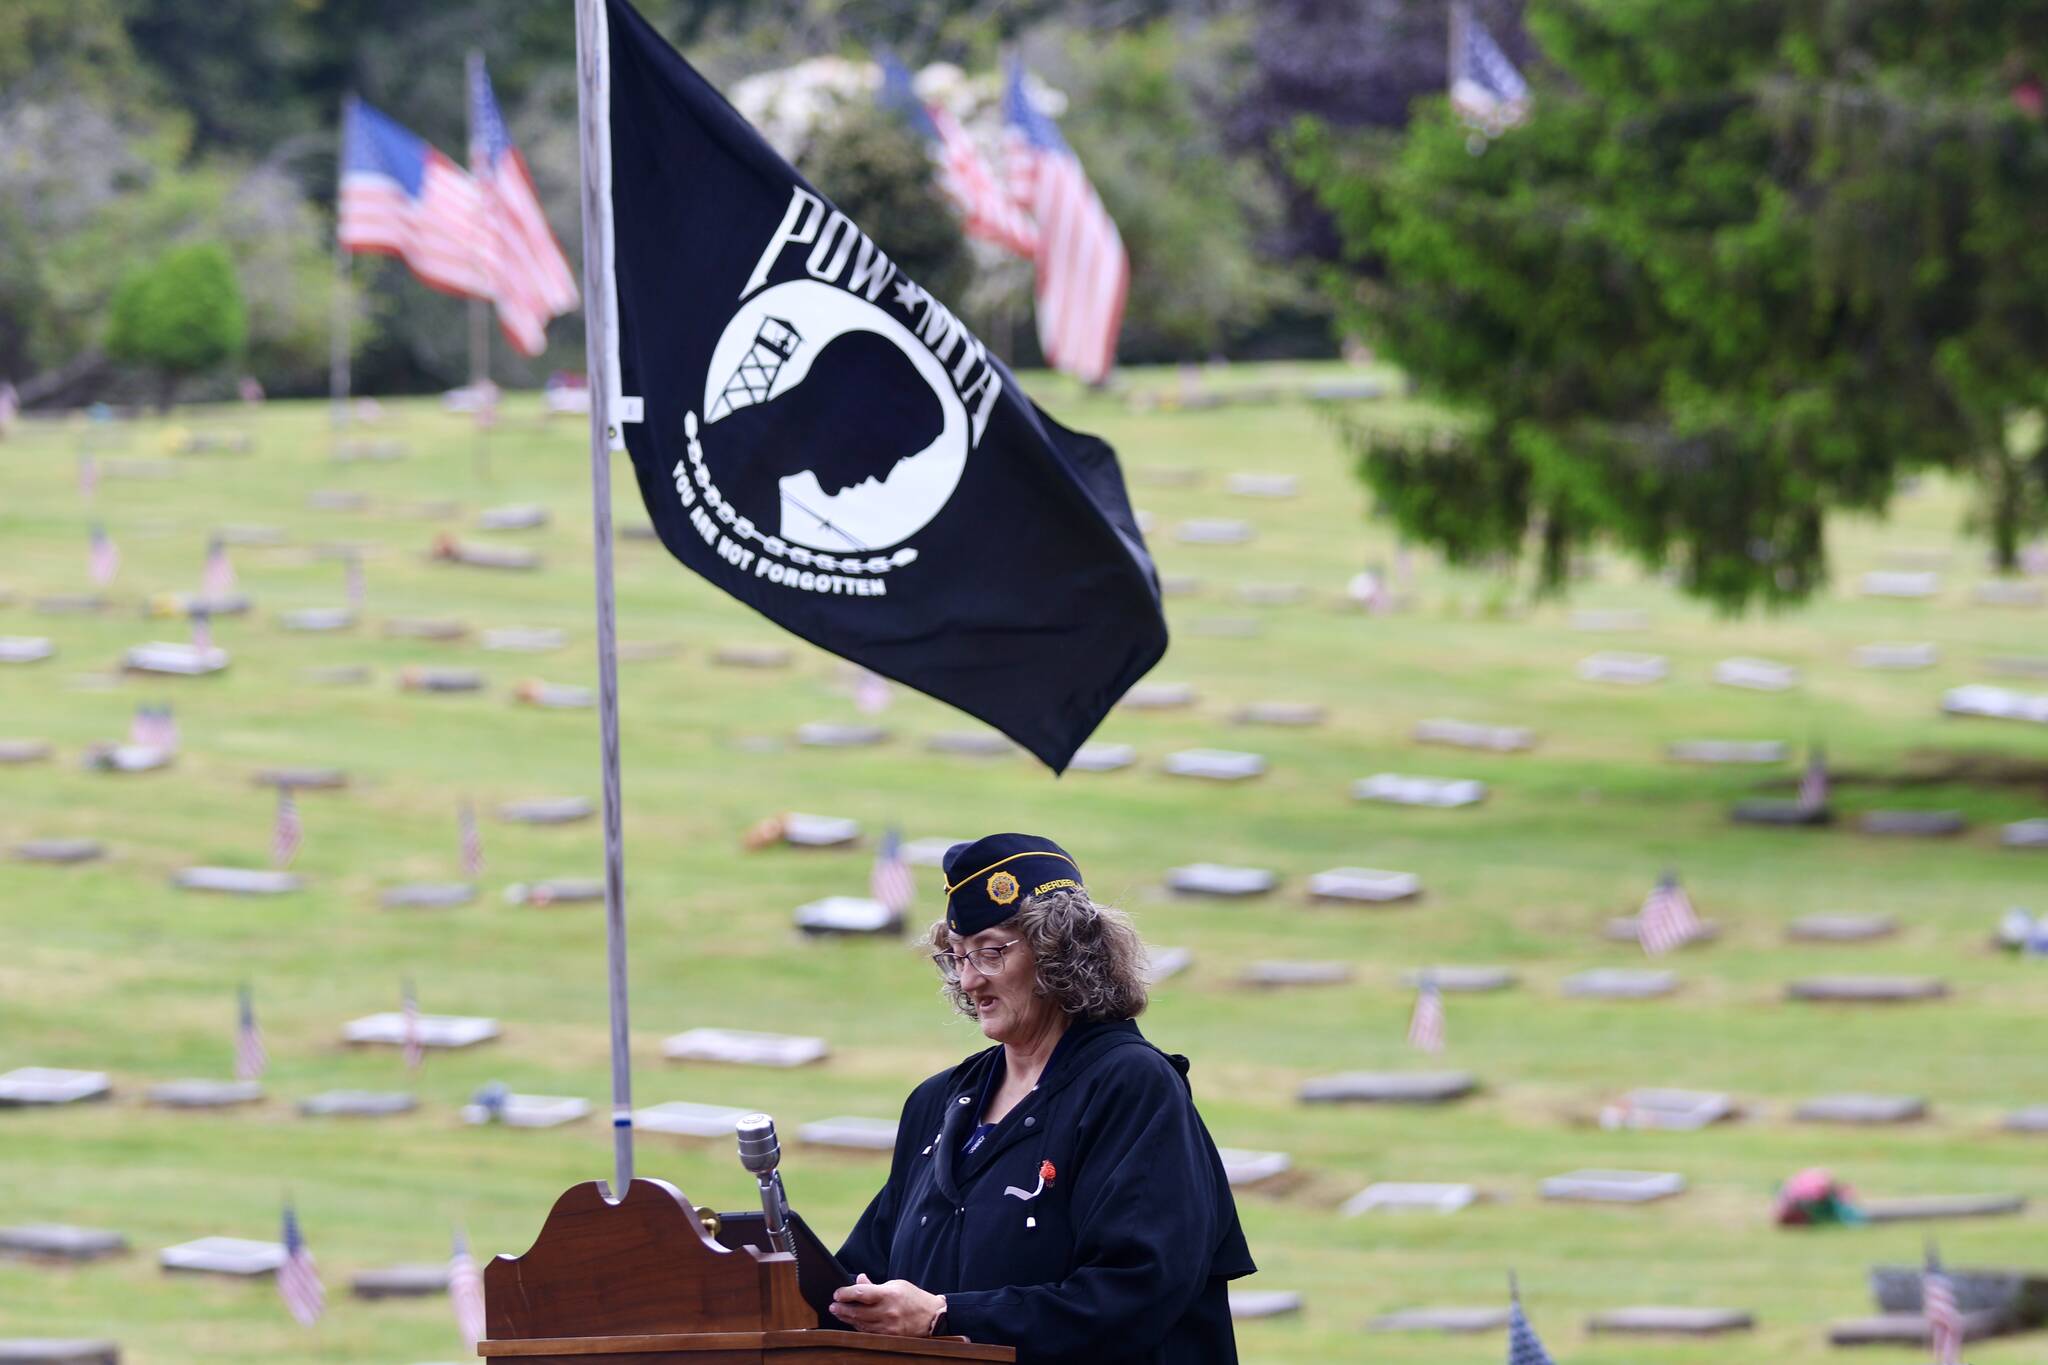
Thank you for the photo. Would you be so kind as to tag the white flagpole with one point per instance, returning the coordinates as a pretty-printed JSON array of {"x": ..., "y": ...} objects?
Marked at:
[{"x": 593, "y": 61}]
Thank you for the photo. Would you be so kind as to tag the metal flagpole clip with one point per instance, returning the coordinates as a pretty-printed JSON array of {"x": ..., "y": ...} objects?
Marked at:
[{"x": 619, "y": 411}]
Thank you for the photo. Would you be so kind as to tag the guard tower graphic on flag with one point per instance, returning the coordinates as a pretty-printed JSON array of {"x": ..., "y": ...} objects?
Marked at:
[{"x": 774, "y": 344}]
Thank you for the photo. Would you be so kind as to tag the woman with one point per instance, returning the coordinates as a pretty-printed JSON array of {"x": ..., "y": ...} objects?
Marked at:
[{"x": 1056, "y": 1192}]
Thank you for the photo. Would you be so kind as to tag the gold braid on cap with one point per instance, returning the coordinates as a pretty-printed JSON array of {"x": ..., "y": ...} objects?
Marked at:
[{"x": 1028, "y": 853}]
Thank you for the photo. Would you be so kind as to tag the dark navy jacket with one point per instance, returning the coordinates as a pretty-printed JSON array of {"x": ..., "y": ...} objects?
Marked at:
[{"x": 1093, "y": 1224}]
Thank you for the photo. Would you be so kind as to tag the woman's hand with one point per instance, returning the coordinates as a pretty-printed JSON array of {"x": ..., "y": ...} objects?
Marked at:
[{"x": 897, "y": 1308}]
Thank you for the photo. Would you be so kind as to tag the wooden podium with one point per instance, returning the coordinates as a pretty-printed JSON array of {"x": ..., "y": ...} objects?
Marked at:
[{"x": 638, "y": 1282}]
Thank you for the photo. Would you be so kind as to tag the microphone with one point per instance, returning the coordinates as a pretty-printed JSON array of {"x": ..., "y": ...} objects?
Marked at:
[{"x": 760, "y": 1153}]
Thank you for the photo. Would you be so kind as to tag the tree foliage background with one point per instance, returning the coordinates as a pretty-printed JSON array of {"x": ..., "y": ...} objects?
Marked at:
[{"x": 1748, "y": 263}]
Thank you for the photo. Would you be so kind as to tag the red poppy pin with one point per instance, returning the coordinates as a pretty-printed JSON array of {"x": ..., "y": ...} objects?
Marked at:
[{"x": 1046, "y": 1172}]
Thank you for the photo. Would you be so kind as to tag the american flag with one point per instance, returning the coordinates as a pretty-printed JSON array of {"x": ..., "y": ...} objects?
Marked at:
[
  {"x": 202, "y": 628},
  {"x": 353, "y": 571},
  {"x": 409, "y": 1008},
  {"x": 1083, "y": 273},
  {"x": 103, "y": 557},
  {"x": 1486, "y": 90},
  {"x": 472, "y": 842},
  {"x": 153, "y": 728},
  {"x": 890, "y": 881},
  {"x": 466, "y": 1293},
  {"x": 218, "y": 580},
  {"x": 289, "y": 831},
  {"x": 1666, "y": 920},
  {"x": 1813, "y": 785},
  {"x": 530, "y": 276},
  {"x": 986, "y": 209},
  {"x": 88, "y": 476},
  {"x": 298, "y": 1282},
  {"x": 250, "y": 1056},
  {"x": 401, "y": 197},
  {"x": 1524, "y": 1347},
  {"x": 1426, "y": 1024},
  {"x": 871, "y": 693},
  {"x": 1944, "y": 1318}
]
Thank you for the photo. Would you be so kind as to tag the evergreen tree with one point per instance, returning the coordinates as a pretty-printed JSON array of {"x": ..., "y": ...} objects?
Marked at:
[
  {"x": 1748, "y": 263},
  {"x": 179, "y": 316}
]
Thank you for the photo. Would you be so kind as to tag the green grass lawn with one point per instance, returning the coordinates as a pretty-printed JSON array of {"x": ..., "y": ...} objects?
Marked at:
[{"x": 105, "y": 966}]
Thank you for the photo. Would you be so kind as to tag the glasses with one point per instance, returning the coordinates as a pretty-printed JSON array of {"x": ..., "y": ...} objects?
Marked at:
[{"x": 987, "y": 961}]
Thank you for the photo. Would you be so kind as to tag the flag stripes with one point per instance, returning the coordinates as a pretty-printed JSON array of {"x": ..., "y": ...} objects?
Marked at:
[
  {"x": 1666, "y": 921},
  {"x": 530, "y": 280},
  {"x": 298, "y": 1281}
]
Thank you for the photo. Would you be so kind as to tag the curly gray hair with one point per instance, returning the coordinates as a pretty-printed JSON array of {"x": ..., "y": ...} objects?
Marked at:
[{"x": 1090, "y": 960}]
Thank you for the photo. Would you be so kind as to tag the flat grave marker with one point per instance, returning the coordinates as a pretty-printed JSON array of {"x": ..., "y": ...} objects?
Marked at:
[
  {"x": 1449, "y": 1321},
  {"x": 60, "y": 1242},
  {"x": 439, "y": 682},
  {"x": 682, "y": 1118},
  {"x": 819, "y": 831},
  {"x": 554, "y": 696},
  {"x": 425, "y": 628},
  {"x": 1728, "y": 751},
  {"x": 1289, "y": 714},
  {"x": 239, "y": 1257},
  {"x": 236, "y": 881},
  {"x": 1913, "y": 824},
  {"x": 1897, "y": 657},
  {"x": 2000, "y": 592},
  {"x": 1668, "y": 1110},
  {"x": 1248, "y": 1304},
  {"x": 2025, "y": 834},
  {"x": 528, "y": 1111},
  {"x": 1213, "y": 531},
  {"x": 1613, "y": 1187},
  {"x": 427, "y": 896},
  {"x": 1245, "y": 1169},
  {"x": 1995, "y": 703},
  {"x": 1670, "y": 1322},
  {"x": 1389, "y": 1087},
  {"x": 302, "y": 779},
  {"x": 202, "y": 1094},
  {"x": 401, "y": 1281},
  {"x": 1841, "y": 928},
  {"x": 1220, "y": 880},
  {"x": 1160, "y": 696},
  {"x": 751, "y": 656},
  {"x": 1458, "y": 734},
  {"x": 128, "y": 758},
  {"x": 59, "y": 1351},
  {"x": 1909, "y": 584},
  {"x": 1276, "y": 974},
  {"x": 847, "y": 915},
  {"x": 2017, "y": 666},
  {"x": 524, "y": 516},
  {"x": 1163, "y": 964},
  {"x": 1168, "y": 476},
  {"x": 547, "y": 810},
  {"x": 1179, "y": 585},
  {"x": 555, "y": 891},
  {"x": 509, "y": 558},
  {"x": 1621, "y": 983},
  {"x": 1756, "y": 674},
  {"x": 928, "y": 852},
  {"x": 1363, "y": 885},
  {"x": 825, "y": 734},
  {"x": 1410, "y": 1196},
  {"x": 72, "y": 604},
  {"x": 1880, "y": 990},
  {"x": 25, "y": 649},
  {"x": 438, "y": 1031},
  {"x": 1928, "y": 1208},
  {"x": 59, "y": 852},
  {"x": 318, "y": 620},
  {"x": 1862, "y": 1110},
  {"x": 744, "y": 1047},
  {"x": 2032, "y": 1119},
  {"x": 1272, "y": 594},
  {"x": 524, "y": 639},
  {"x": 970, "y": 744},
  {"x": 337, "y": 500},
  {"x": 849, "y": 1134},
  {"x": 1623, "y": 668},
  {"x": 357, "y": 1104},
  {"x": 338, "y": 675},
  {"x": 1442, "y": 793},
  {"x": 24, "y": 751},
  {"x": 1610, "y": 622},
  {"x": 173, "y": 659},
  {"x": 1781, "y": 814},
  {"x": 1262, "y": 485},
  {"x": 1103, "y": 758},
  {"x": 1214, "y": 765},
  {"x": 1454, "y": 980}
]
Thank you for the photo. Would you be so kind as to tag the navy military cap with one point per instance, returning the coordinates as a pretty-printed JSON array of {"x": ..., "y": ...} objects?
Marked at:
[{"x": 986, "y": 879}]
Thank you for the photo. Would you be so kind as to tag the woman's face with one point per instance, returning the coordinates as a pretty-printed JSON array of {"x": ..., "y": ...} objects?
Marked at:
[{"x": 1007, "y": 1005}]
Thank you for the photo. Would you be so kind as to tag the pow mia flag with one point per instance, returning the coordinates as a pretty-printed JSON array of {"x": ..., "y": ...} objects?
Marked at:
[{"x": 826, "y": 441}]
